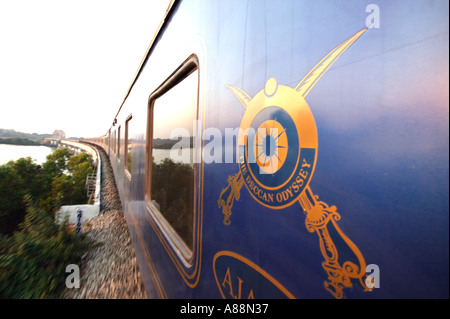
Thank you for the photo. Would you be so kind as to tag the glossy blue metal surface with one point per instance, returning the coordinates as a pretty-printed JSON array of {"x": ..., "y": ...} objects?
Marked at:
[{"x": 381, "y": 113}]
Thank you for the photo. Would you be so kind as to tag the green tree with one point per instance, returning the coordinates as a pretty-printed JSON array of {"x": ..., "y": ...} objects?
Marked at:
[
  {"x": 64, "y": 177},
  {"x": 61, "y": 191},
  {"x": 16, "y": 179},
  {"x": 70, "y": 188},
  {"x": 173, "y": 192},
  {"x": 54, "y": 167},
  {"x": 60, "y": 181},
  {"x": 33, "y": 255},
  {"x": 33, "y": 260},
  {"x": 11, "y": 194},
  {"x": 27, "y": 171},
  {"x": 18, "y": 141},
  {"x": 56, "y": 163},
  {"x": 80, "y": 166}
]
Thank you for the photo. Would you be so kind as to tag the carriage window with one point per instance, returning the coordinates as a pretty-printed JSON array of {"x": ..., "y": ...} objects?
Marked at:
[
  {"x": 118, "y": 143},
  {"x": 114, "y": 141},
  {"x": 108, "y": 141},
  {"x": 171, "y": 188},
  {"x": 128, "y": 148}
]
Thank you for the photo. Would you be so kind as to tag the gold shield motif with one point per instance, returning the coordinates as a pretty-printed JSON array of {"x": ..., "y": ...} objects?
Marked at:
[{"x": 284, "y": 153}]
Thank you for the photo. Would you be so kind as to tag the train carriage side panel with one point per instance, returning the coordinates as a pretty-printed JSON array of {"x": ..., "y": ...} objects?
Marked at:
[{"x": 359, "y": 191}]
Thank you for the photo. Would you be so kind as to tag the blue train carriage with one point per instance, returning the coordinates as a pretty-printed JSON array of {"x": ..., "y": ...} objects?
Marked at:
[{"x": 290, "y": 149}]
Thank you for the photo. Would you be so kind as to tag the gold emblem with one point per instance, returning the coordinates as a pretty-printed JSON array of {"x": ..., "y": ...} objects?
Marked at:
[{"x": 277, "y": 155}]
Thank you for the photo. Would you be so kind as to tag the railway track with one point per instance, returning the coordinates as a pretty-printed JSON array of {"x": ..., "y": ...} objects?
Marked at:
[{"x": 109, "y": 270}]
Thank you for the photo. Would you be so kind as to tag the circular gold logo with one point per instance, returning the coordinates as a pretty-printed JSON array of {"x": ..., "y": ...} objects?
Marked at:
[{"x": 277, "y": 145}]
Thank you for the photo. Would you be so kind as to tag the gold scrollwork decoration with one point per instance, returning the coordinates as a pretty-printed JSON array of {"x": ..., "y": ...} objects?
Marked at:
[
  {"x": 322, "y": 219},
  {"x": 229, "y": 194}
]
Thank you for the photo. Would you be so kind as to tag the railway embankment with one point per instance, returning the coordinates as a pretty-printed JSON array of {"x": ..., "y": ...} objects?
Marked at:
[{"x": 109, "y": 269}]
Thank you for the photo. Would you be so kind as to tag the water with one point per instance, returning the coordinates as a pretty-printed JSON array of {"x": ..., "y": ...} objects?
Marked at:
[
  {"x": 161, "y": 154},
  {"x": 39, "y": 153},
  {"x": 14, "y": 152}
]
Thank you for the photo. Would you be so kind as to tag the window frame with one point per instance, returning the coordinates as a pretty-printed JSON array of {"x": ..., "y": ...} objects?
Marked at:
[
  {"x": 114, "y": 141},
  {"x": 187, "y": 256},
  {"x": 118, "y": 143},
  {"x": 128, "y": 174}
]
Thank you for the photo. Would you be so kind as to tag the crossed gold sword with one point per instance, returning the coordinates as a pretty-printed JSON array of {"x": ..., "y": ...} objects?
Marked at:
[{"x": 319, "y": 215}]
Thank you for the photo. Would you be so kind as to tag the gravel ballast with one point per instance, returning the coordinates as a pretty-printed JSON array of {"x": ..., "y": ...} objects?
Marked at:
[{"x": 110, "y": 270}]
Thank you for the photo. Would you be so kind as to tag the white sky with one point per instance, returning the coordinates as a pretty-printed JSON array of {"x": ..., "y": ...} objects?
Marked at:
[{"x": 68, "y": 64}]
